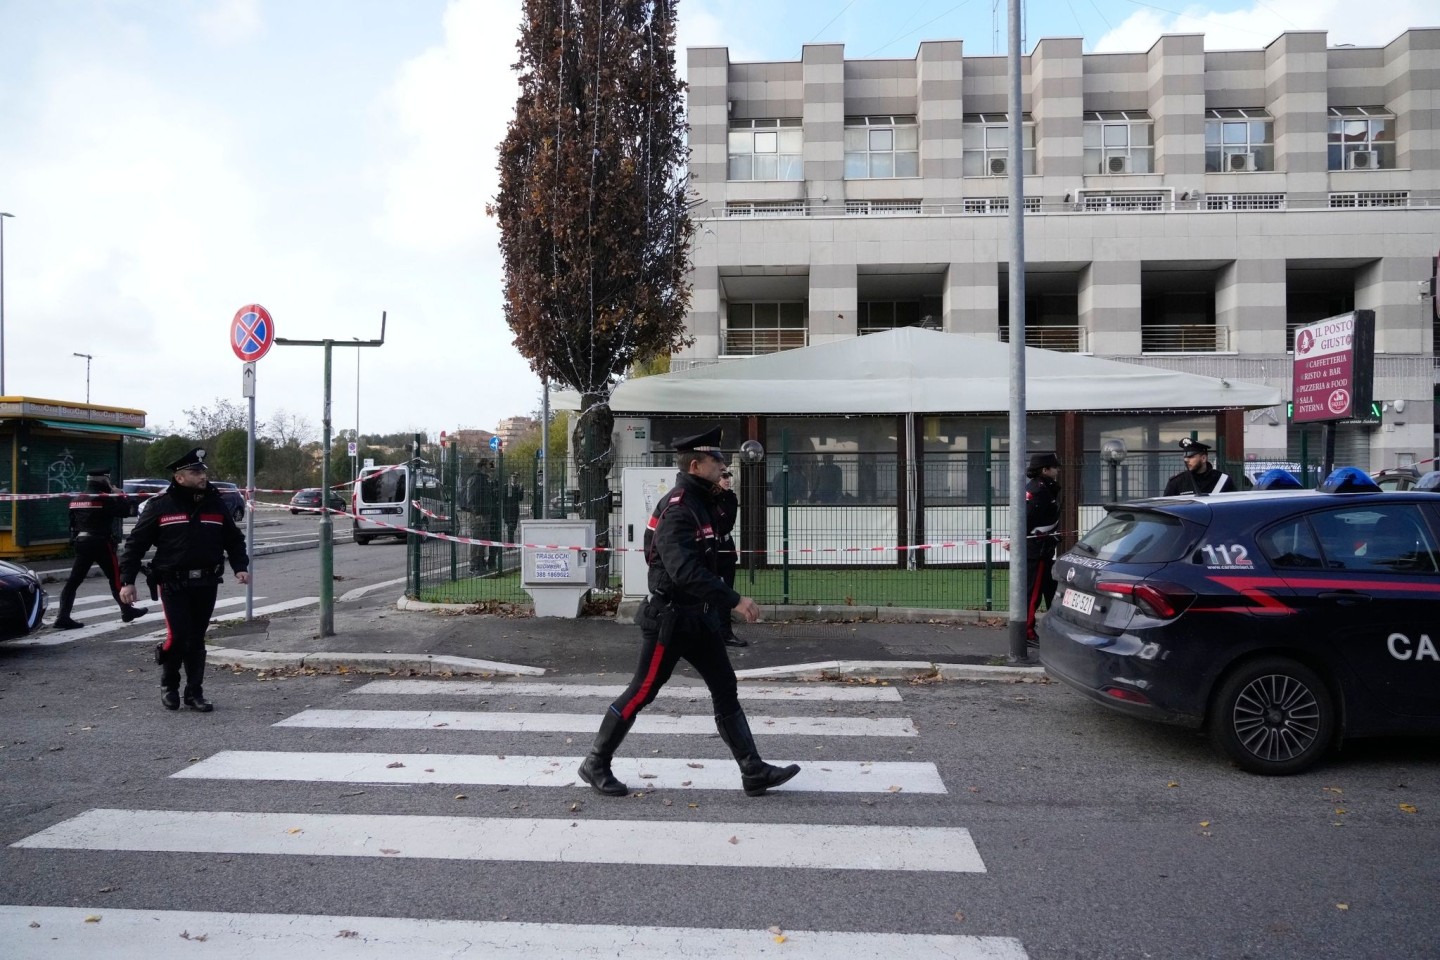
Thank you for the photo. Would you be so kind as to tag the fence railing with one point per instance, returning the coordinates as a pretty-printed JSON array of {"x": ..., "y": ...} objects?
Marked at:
[{"x": 1183, "y": 338}]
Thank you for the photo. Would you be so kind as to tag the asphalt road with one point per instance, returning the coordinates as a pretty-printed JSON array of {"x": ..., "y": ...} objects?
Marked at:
[{"x": 1095, "y": 836}]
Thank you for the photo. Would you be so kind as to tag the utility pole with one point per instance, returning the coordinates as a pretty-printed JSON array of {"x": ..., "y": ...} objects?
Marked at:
[{"x": 327, "y": 527}]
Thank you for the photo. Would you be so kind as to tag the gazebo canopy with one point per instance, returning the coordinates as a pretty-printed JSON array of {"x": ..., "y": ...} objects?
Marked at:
[{"x": 912, "y": 370}]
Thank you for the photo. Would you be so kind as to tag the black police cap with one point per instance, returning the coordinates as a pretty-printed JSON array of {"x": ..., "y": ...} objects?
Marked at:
[
  {"x": 1190, "y": 447},
  {"x": 707, "y": 442},
  {"x": 1039, "y": 461},
  {"x": 195, "y": 457}
]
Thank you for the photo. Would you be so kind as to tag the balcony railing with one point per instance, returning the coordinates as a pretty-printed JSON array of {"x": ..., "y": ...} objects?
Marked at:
[
  {"x": 1091, "y": 203},
  {"x": 745, "y": 343},
  {"x": 1183, "y": 338},
  {"x": 1059, "y": 339}
]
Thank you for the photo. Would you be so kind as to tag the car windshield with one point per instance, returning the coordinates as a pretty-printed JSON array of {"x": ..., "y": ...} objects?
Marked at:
[{"x": 1136, "y": 536}]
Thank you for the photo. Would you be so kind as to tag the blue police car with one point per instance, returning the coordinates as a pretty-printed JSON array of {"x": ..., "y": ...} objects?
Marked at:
[{"x": 1281, "y": 621}]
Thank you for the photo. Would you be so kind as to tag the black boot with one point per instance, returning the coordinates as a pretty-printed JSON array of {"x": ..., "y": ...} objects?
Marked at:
[
  {"x": 130, "y": 612},
  {"x": 595, "y": 768},
  {"x": 197, "y": 701},
  {"x": 62, "y": 619},
  {"x": 171, "y": 699},
  {"x": 756, "y": 776}
]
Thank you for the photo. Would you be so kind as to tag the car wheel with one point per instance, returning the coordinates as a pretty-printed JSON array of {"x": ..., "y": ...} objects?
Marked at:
[
  {"x": 294, "y": 512},
  {"x": 361, "y": 540},
  {"x": 1274, "y": 717}
]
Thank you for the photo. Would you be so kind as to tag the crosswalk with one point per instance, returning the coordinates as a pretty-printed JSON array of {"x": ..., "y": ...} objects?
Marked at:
[
  {"x": 89, "y": 613},
  {"x": 857, "y": 729}
]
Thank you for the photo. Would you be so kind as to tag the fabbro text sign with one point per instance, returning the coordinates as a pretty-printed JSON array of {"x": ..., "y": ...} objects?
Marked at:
[{"x": 1334, "y": 369}]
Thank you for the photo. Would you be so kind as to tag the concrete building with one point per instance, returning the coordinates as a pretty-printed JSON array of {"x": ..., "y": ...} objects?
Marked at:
[{"x": 1185, "y": 209}]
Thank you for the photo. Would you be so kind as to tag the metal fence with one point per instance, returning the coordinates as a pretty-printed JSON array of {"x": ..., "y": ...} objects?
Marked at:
[{"x": 844, "y": 529}]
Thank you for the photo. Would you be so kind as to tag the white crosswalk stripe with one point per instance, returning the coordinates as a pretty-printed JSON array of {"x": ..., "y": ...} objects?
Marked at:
[
  {"x": 461, "y": 721},
  {"x": 96, "y": 628},
  {"x": 63, "y": 933},
  {"x": 671, "y": 691},
  {"x": 291, "y": 826}
]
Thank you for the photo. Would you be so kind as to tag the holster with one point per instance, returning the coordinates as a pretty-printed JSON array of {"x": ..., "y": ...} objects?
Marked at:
[{"x": 152, "y": 583}]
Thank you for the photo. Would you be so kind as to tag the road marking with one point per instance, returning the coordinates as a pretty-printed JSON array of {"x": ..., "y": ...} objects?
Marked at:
[
  {"x": 56, "y": 637},
  {"x": 520, "y": 839},
  {"x": 62, "y": 933},
  {"x": 359, "y": 592},
  {"x": 589, "y": 722},
  {"x": 240, "y": 614},
  {"x": 648, "y": 773},
  {"x": 774, "y": 691}
]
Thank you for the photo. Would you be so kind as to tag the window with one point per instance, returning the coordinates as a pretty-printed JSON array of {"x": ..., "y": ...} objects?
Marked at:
[
  {"x": 1361, "y": 138},
  {"x": 1243, "y": 201},
  {"x": 1375, "y": 539},
  {"x": 1239, "y": 140},
  {"x": 879, "y": 315},
  {"x": 997, "y": 205},
  {"x": 986, "y": 145},
  {"x": 766, "y": 150},
  {"x": 881, "y": 147},
  {"x": 752, "y": 328},
  {"x": 1371, "y": 198},
  {"x": 763, "y": 208},
  {"x": 1119, "y": 141}
]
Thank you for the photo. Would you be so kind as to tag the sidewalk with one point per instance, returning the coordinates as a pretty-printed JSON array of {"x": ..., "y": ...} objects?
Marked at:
[{"x": 377, "y": 635}]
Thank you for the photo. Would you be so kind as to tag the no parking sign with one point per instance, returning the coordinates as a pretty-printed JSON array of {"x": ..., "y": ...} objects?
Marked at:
[{"x": 251, "y": 332}]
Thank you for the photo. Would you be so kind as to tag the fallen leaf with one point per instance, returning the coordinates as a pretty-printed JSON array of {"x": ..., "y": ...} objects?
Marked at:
[
  {"x": 388, "y": 851},
  {"x": 775, "y": 930},
  {"x": 960, "y": 915},
  {"x": 462, "y": 796},
  {"x": 1342, "y": 906},
  {"x": 34, "y": 924},
  {"x": 734, "y": 839},
  {"x": 1408, "y": 808},
  {"x": 697, "y": 766},
  {"x": 1173, "y": 783},
  {"x": 648, "y": 776},
  {"x": 779, "y": 939},
  {"x": 1204, "y": 823},
  {"x": 429, "y": 769},
  {"x": 347, "y": 934},
  {"x": 1335, "y": 790},
  {"x": 894, "y": 789},
  {"x": 693, "y": 806},
  {"x": 1341, "y": 810},
  {"x": 294, "y": 830},
  {"x": 392, "y": 766},
  {"x": 108, "y": 889},
  {"x": 93, "y": 918}
]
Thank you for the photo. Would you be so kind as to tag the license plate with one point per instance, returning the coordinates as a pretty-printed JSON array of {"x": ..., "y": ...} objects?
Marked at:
[
  {"x": 372, "y": 510},
  {"x": 1077, "y": 601}
]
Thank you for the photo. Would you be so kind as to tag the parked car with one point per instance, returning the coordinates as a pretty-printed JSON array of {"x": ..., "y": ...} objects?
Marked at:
[
  {"x": 1282, "y": 622},
  {"x": 22, "y": 600},
  {"x": 233, "y": 497},
  {"x": 309, "y": 500},
  {"x": 1398, "y": 478},
  {"x": 140, "y": 490}
]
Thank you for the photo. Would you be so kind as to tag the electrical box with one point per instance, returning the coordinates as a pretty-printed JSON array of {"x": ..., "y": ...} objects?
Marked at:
[{"x": 557, "y": 564}]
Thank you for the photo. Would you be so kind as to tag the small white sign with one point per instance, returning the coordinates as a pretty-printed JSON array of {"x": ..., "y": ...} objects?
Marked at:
[
  {"x": 353, "y": 447},
  {"x": 552, "y": 566}
]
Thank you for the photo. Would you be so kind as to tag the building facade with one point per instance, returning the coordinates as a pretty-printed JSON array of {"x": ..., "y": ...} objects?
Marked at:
[{"x": 1184, "y": 209}]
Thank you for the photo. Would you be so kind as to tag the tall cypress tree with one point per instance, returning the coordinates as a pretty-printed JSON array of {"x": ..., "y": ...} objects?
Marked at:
[{"x": 592, "y": 210}]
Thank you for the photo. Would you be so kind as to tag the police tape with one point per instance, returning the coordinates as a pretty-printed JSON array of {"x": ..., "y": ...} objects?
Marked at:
[{"x": 772, "y": 551}]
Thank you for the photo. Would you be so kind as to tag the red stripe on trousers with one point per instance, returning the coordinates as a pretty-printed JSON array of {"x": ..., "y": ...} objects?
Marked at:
[
  {"x": 1034, "y": 600},
  {"x": 169, "y": 630},
  {"x": 114, "y": 567},
  {"x": 632, "y": 707}
]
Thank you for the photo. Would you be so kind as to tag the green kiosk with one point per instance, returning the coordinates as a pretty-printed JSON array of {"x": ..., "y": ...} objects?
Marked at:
[{"x": 46, "y": 448}]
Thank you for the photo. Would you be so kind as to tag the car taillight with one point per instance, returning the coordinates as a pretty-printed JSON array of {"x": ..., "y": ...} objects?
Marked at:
[
  {"x": 1158, "y": 599},
  {"x": 1124, "y": 693}
]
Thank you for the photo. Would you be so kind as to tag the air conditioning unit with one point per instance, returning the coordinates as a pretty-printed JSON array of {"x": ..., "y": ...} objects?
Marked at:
[
  {"x": 1116, "y": 165},
  {"x": 1362, "y": 160},
  {"x": 1240, "y": 162},
  {"x": 998, "y": 165}
]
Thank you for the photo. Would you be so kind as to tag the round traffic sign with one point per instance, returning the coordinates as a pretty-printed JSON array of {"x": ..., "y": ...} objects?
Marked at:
[
  {"x": 494, "y": 443},
  {"x": 251, "y": 332}
]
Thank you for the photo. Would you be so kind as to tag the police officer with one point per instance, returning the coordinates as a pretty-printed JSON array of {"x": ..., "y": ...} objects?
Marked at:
[
  {"x": 92, "y": 522},
  {"x": 192, "y": 533},
  {"x": 727, "y": 511},
  {"x": 678, "y": 620},
  {"x": 1199, "y": 476},
  {"x": 1042, "y": 517}
]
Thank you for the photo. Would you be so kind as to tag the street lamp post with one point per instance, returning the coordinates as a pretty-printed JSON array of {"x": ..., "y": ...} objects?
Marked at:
[
  {"x": 88, "y": 358},
  {"x": 3, "y": 216}
]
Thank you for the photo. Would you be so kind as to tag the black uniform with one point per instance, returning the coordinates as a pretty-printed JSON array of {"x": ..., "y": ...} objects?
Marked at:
[
  {"x": 1042, "y": 516},
  {"x": 193, "y": 534},
  {"x": 92, "y": 525},
  {"x": 514, "y": 494},
  {"x": 679, "y": 619},
  {"x": 1199, "y": 484}
]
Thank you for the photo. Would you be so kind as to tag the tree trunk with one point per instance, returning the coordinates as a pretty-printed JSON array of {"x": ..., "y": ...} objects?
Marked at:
[{"x": 593, "y": 440}]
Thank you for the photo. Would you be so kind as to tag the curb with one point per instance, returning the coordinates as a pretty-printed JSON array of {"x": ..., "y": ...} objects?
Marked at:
[
  {"x": 841, "y": 613},
  {"x": 431, "y": 664}
]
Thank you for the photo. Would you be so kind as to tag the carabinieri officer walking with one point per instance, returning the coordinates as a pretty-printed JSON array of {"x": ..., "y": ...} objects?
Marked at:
[
  {"x": 192, "y": 533},
  {"x": 679, "y": 619}
]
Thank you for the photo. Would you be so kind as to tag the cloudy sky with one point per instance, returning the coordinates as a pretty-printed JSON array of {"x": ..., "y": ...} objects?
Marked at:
[{"x": 168, "y": 161}]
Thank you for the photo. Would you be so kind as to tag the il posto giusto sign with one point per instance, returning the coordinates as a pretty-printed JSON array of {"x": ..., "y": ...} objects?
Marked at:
[{"x": 1334, "y": 369}]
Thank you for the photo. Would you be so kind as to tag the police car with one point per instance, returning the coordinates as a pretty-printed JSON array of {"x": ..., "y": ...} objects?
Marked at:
[{"x": 1282, "y": 622}]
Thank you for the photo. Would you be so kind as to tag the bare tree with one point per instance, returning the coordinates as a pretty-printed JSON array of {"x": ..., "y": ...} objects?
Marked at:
[{"x": 592, "y": 209}]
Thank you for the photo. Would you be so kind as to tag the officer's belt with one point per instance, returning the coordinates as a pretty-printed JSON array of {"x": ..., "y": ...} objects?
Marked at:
[
  {"x": 679, "y": 607},
  {"x": 198, "y": 573}
]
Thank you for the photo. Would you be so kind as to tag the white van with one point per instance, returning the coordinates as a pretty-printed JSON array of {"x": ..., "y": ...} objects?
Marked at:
[{"x": 381, "y": 493}]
